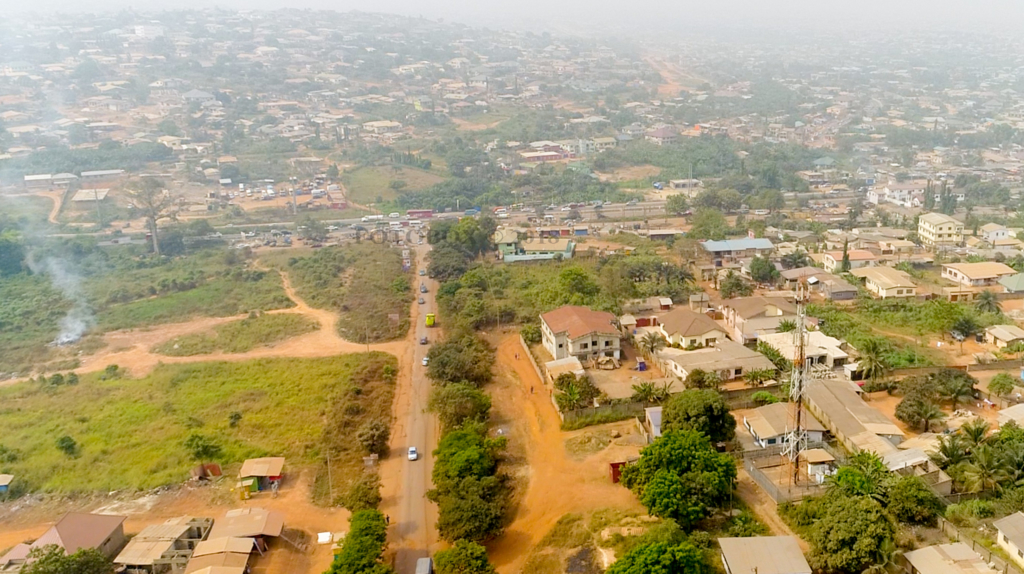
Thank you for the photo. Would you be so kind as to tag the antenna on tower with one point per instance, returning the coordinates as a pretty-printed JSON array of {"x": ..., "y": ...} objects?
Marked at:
[{"x": 796, "y": 439}]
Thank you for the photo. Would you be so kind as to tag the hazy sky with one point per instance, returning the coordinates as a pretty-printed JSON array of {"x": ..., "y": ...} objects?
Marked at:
[{"x": 668, "y": 16}]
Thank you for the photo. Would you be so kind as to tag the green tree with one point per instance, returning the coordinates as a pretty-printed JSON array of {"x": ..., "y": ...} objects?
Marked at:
[
  {"x": 531, "y": 334},
  {"x": 988, "y": 302},
  {"x": 662, "y": 558},
  {"x": 689, "y": 476},
  {"x": 758, "y": 377},
  {"x": 965, "y": 327},
  {"x": 202, "y": 448},
  {"x": 985, "y": 471},
  {"x": 457, "y": 403},
  {"x": 845, "y": 265},
  {"x": 786, "y": 326},
  {"x": 464, "y": 557},
  {"x": 795, "y": 259},
  {"x": 1002, "y": 384},
  {"x": 447, "y": 261},
  {"x": 762, "y": 270},
  {"x": 951, "y": 453},
  {"x": 363, "y": 493},
  {"x": 677, "y": 204},
  {"x": 701, "y": 379},
  {"x": 701, "y": 410},
  {"x": 52, "y": 559},
  {"x": 650, "y": 344},
  {"x": 364, "y": 545},
  {"x": 848, "y": 536},
  {"x": 908, "y": 499},
  {"x": 954, "y": 385},
  {"x": 918, "y": 411},
  {"x": 734, "y": 286},
  {"x": 474, "y": 509},
  {"x": 374, "y": 436},
  {"x": 462, "y": 357},
  {"x": 708, "y": 224},
  {"x": 872, "y": 361}
]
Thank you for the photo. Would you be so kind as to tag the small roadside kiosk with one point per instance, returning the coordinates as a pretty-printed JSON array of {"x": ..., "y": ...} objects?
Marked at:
[{"x": 258, "y": 474}]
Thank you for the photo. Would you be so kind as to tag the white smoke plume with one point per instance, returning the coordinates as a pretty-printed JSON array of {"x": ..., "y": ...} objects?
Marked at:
[{"x": 80, "y": 318}]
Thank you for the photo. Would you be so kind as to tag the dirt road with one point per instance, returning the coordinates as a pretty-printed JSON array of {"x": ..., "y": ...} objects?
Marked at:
[
  {"x": 557, "y": 484},
  {"x": 405, "y": 482},
  {"x": 764, "y": 507}
]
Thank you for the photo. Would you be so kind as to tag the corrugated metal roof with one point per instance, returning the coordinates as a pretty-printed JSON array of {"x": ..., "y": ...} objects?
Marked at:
[
  {"x": 764, "y": 555},
  {"x": 1012, "y": 527},
  {"x": 267, "y": 466}
]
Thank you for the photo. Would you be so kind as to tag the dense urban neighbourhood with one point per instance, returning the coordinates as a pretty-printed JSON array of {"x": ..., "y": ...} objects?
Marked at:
[{"x": 311, "y": 291}]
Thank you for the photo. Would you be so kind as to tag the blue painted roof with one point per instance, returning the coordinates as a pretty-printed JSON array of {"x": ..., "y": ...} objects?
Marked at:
[{"x": 737, "y": 244}]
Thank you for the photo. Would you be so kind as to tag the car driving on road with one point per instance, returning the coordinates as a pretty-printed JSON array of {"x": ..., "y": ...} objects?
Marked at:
[{"x": 413, "y": 454}]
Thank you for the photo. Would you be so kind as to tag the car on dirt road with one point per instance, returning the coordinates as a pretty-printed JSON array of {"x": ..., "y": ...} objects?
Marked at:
[
  {"x": 423, "y": 340},
  {"x": 423, "y": 272},
  {"x": 426, "y": 361},
  {"x": 422, "y": 300},
  {"x": 413, "y": 453}
]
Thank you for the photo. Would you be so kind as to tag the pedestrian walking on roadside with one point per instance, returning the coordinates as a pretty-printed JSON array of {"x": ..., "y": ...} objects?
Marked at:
[{"x": 387, "y": 519}]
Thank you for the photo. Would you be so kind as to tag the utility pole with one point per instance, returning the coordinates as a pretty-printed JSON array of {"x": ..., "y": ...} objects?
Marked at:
[{"x": 796, "y": 439}]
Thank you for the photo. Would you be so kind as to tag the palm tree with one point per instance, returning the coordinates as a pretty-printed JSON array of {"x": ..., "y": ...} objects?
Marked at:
[
  {"x": 644, "y": 393},
  {"x": 955, "y": 386},
  {"x": 757, "y": 377},
  {"x": 872, "y": 361},
  {"x": 986, "y": 470},
  {"x": 965, "y": 327},
  {"x": 570, "y": 399},
  {"x": 952, "y": 451},
  {"x": 651, "y": 343},
  {"x": 927, "y": 412},
  {"x": 786, "y": 326},
  {"x": 975, "y": 432},
  {"x": 1013, "y": 461},
  {"x": 987, "y": 302}
]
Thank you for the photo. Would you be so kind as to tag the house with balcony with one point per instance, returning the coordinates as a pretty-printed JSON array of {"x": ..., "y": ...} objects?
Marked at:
[
  {"x": 574, "y": 331},
  {"x": 939, "y": 230},
  {"x": 981, "y": 274},
  {"x": 749, "y": 317}
]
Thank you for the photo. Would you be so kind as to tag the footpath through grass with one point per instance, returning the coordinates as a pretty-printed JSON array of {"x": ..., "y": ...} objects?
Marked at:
[
  {"x": 363, "y": 282},
  {"x": 130, "y": 433},
  {"x": 239, "y": 336}
]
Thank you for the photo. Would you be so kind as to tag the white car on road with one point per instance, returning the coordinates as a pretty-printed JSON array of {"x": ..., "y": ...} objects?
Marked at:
[
  {"x": 413, "y": 454},
  {"x": 426, "y": 361}
]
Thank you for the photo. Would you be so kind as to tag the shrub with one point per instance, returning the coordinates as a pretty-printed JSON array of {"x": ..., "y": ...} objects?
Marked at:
[
  {"x": 67, "y": 445},
  {"x": 762, "y": 398},
  {"x": 970, "y": 512},
  {"x": 374, "y": 436},
  {"x": 531, "y": 334}
]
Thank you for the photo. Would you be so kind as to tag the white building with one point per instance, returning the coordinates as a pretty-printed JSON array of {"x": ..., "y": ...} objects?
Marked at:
[{"x": 579, "y": 332}]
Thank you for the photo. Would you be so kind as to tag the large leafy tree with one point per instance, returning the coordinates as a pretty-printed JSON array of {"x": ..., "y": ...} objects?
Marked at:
[
  {"x": 364, "y": 545},
  {"x": 908, "y": 499},
  {"x": 464, "y": 557},
  {"x": 463, "y": 357},
  {"x": 954, "y": 386},
  {"x": 1002, "y": 384},
  {"x": 686, "y": 475},
  {"x": 734, "y": 286},
  {"x": 473, "y": 509},
  {"x": 763, "y": 270},
  {"x": 457, "y": 403},
  {"x": 447, "y": 261},
  {"x": 662, "y": 558},
  {"x": 701, "y": 410},
  {"x": 52, "y": 559},
  {"x": 708, "y": 224},
  {"x": 849, "y": 535}
]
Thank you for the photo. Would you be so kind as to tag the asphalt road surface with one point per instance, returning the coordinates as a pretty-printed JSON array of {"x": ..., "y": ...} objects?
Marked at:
[{"x": 413, "y": 522}]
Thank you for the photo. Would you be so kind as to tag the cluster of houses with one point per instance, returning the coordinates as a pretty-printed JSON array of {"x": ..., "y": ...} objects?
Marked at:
[{"x": 181, "y": 545}]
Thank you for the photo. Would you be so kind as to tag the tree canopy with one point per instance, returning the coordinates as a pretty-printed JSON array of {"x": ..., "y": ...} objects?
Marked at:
[{"x": 701, "y": 410}]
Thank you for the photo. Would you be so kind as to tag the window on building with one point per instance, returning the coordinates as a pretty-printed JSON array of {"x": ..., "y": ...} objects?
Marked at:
[
  {"x": 559, "y": 345},
  {"x": 608, "y": 343},
  {"x": 583, "y": 345}
]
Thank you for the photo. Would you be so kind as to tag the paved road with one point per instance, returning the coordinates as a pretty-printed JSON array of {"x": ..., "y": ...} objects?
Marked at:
[{"x": 413, "y": 517}]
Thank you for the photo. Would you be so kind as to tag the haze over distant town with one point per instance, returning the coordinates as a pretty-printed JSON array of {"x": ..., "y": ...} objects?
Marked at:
[{"x": 461, "y": 287}]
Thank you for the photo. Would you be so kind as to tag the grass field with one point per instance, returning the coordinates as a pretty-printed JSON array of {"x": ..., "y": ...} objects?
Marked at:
[
  {"x": 30, "y": 314},
  {"x": 130, "y": 433},
  {"x": 209, "y": 283},
  {"x": 239, "y": 336},
  {"x": 373, "y": 184},
  {"x": 363, "y": 282}
]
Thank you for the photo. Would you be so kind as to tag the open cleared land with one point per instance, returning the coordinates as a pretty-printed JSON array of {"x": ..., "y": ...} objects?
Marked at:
[
  {"x": 364, "y": 282},
  {"x": 240, "y": 336},
  {"x": 130, "y": 433},
  {"x": 374, "y": 184}
]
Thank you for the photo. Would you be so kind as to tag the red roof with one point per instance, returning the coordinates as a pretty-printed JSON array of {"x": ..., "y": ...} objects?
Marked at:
[{"x": 579, "y": 321}]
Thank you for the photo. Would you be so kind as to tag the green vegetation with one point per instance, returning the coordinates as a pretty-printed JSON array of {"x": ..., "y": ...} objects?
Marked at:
[
  {"x": 978, "y": 460},
  {"x": 363, "y": 282},
  {"x": 29, "y": 320},
  {"x": 489, "y": 291},
  {"x": 464, "y": 557},
  {"x": 375, "y": 184},
  {"x": 364, "y": 546},
  {"x": 131, "y": 434},
  {"x": 661, "y": 558},
  {"x": 923, "y": 394},
  {"x": 52, "y": 559},
  {"x": 240, "y": 336},
  {"x": 854, "y": 525},
  {"x": 701, "y": 410},
  {"x": 680, "y": 476}
]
